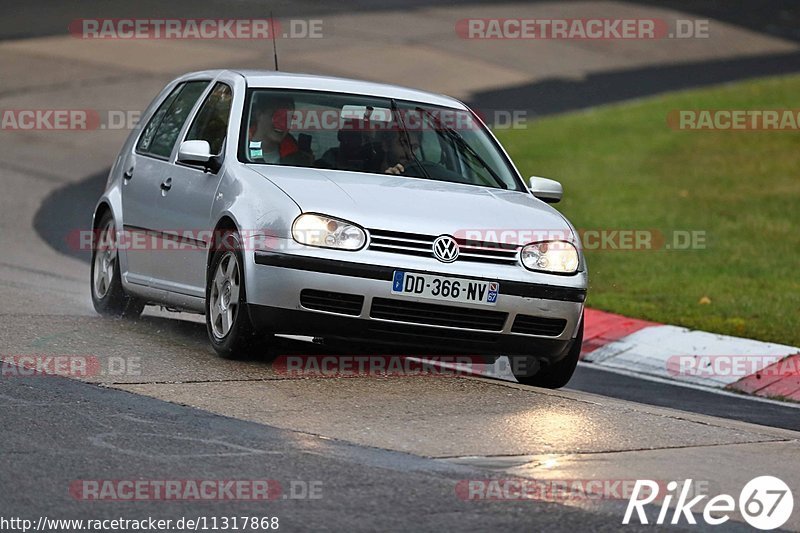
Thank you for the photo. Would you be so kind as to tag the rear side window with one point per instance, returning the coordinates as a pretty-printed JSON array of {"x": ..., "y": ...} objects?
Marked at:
[
  {"x": 211, "y": 123},
  {"x": 162, "y": 131}
]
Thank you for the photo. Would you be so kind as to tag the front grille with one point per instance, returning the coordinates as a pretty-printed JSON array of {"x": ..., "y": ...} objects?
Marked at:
[
  {"x": 401, "y": 243},
  {"x": 535, "y": 325},
  {"x": 437, "y": 315},
  {"x": 333, "y": 302},
  {"x": 422, "y": 245}
]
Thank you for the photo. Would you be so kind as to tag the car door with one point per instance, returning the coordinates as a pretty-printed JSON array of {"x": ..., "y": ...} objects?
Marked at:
[
  {"x": 143, "y": 175},
  {"x": 187, "y": 194}
]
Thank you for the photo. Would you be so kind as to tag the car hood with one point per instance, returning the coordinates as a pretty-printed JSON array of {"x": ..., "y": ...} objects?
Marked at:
[{"x": 415, "y": 205}]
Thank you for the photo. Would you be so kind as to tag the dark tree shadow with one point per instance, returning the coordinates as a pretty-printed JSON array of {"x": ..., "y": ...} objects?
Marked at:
[
  {"x": 67, "y": 211},
  {"x": 548, "y": 97}
]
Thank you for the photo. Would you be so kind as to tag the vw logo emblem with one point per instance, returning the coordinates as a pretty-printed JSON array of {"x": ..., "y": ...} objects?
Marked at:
[{"x": 445, "y": 249}]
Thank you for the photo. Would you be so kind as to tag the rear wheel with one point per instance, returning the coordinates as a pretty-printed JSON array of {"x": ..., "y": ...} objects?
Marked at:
[
  {"x": 558, "y": 374},
  {"x": 227, "y": 321},
  {"x": 108, "y": 296}
]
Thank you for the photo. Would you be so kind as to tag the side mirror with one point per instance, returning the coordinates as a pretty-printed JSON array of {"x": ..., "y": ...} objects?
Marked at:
[
  {"x": 194, "y": 152},
  {"x": 547, "y": 190}
]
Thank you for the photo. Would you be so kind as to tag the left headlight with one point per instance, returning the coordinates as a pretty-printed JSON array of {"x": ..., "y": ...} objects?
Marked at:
[
  {"x": 328, "y": 232},
  {"x": 558, "y": 257}
]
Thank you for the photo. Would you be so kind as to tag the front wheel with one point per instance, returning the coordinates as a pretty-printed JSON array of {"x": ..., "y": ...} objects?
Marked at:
[
  {"x": 108, "y": 295},
  {"x": 559, "y": 373},
  {"x": 227, "y": 321}
]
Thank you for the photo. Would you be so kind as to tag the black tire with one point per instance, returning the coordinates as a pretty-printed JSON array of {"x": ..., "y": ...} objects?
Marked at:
[
  {"x": 108, "y": 295},
  {"x": 558, "y": 374},
  {"x": 240, "y": 340}
]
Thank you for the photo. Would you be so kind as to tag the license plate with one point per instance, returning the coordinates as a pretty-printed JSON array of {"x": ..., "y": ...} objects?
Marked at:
[{"x": 445, "y": 289}]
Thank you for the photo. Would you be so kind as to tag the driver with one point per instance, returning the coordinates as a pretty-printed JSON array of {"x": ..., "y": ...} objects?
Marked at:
[
  {"x": 270, "y": 140},
  {"x": 397, "y": 152}
]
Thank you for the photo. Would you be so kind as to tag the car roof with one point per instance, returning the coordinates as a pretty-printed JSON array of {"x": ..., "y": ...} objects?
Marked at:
[{"x": 291, "y": 80}]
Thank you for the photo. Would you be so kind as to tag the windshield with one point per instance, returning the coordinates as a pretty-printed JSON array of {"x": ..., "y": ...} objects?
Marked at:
[{"x": 369, "y": 134}]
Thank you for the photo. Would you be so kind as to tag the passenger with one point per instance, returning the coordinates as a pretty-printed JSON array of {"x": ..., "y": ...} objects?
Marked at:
[
  {"x": 270, "y": 140},
  {"x": 354, "y": 151}
]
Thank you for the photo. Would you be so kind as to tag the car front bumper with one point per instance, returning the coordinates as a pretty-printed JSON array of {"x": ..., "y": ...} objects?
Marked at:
[{"x": 275, "y": 281}]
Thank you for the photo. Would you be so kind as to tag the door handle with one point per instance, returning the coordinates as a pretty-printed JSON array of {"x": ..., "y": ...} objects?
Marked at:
[
  {"x": 166, "y": 184},
  {"x": 128, "y": 174}
]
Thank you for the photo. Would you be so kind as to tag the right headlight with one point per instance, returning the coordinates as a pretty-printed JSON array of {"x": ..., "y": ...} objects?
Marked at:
[
  {"x": 328, "y": 232},
  {"x": 557, "y": 257}
]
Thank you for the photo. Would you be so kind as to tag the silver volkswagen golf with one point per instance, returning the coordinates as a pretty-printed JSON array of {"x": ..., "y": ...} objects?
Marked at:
[{"x": 358, "y": 213}]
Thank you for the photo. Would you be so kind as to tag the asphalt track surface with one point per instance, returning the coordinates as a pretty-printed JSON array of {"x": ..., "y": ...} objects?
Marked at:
[
  {"x": 363, "y": 489},
  {"x": 388, "y": 452}
]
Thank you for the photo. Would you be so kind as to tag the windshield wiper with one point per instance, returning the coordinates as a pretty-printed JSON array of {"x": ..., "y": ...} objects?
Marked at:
[
  {"x": 463, "y": 144},
  {"x": 407, "y": 146}
]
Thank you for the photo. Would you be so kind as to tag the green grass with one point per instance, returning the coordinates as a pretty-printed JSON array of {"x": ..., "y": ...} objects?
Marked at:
[{"x": 623, "y": 167}]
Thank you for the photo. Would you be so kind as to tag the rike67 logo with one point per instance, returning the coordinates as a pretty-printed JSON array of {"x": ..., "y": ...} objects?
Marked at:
[{"x": 765, "y": 502}]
